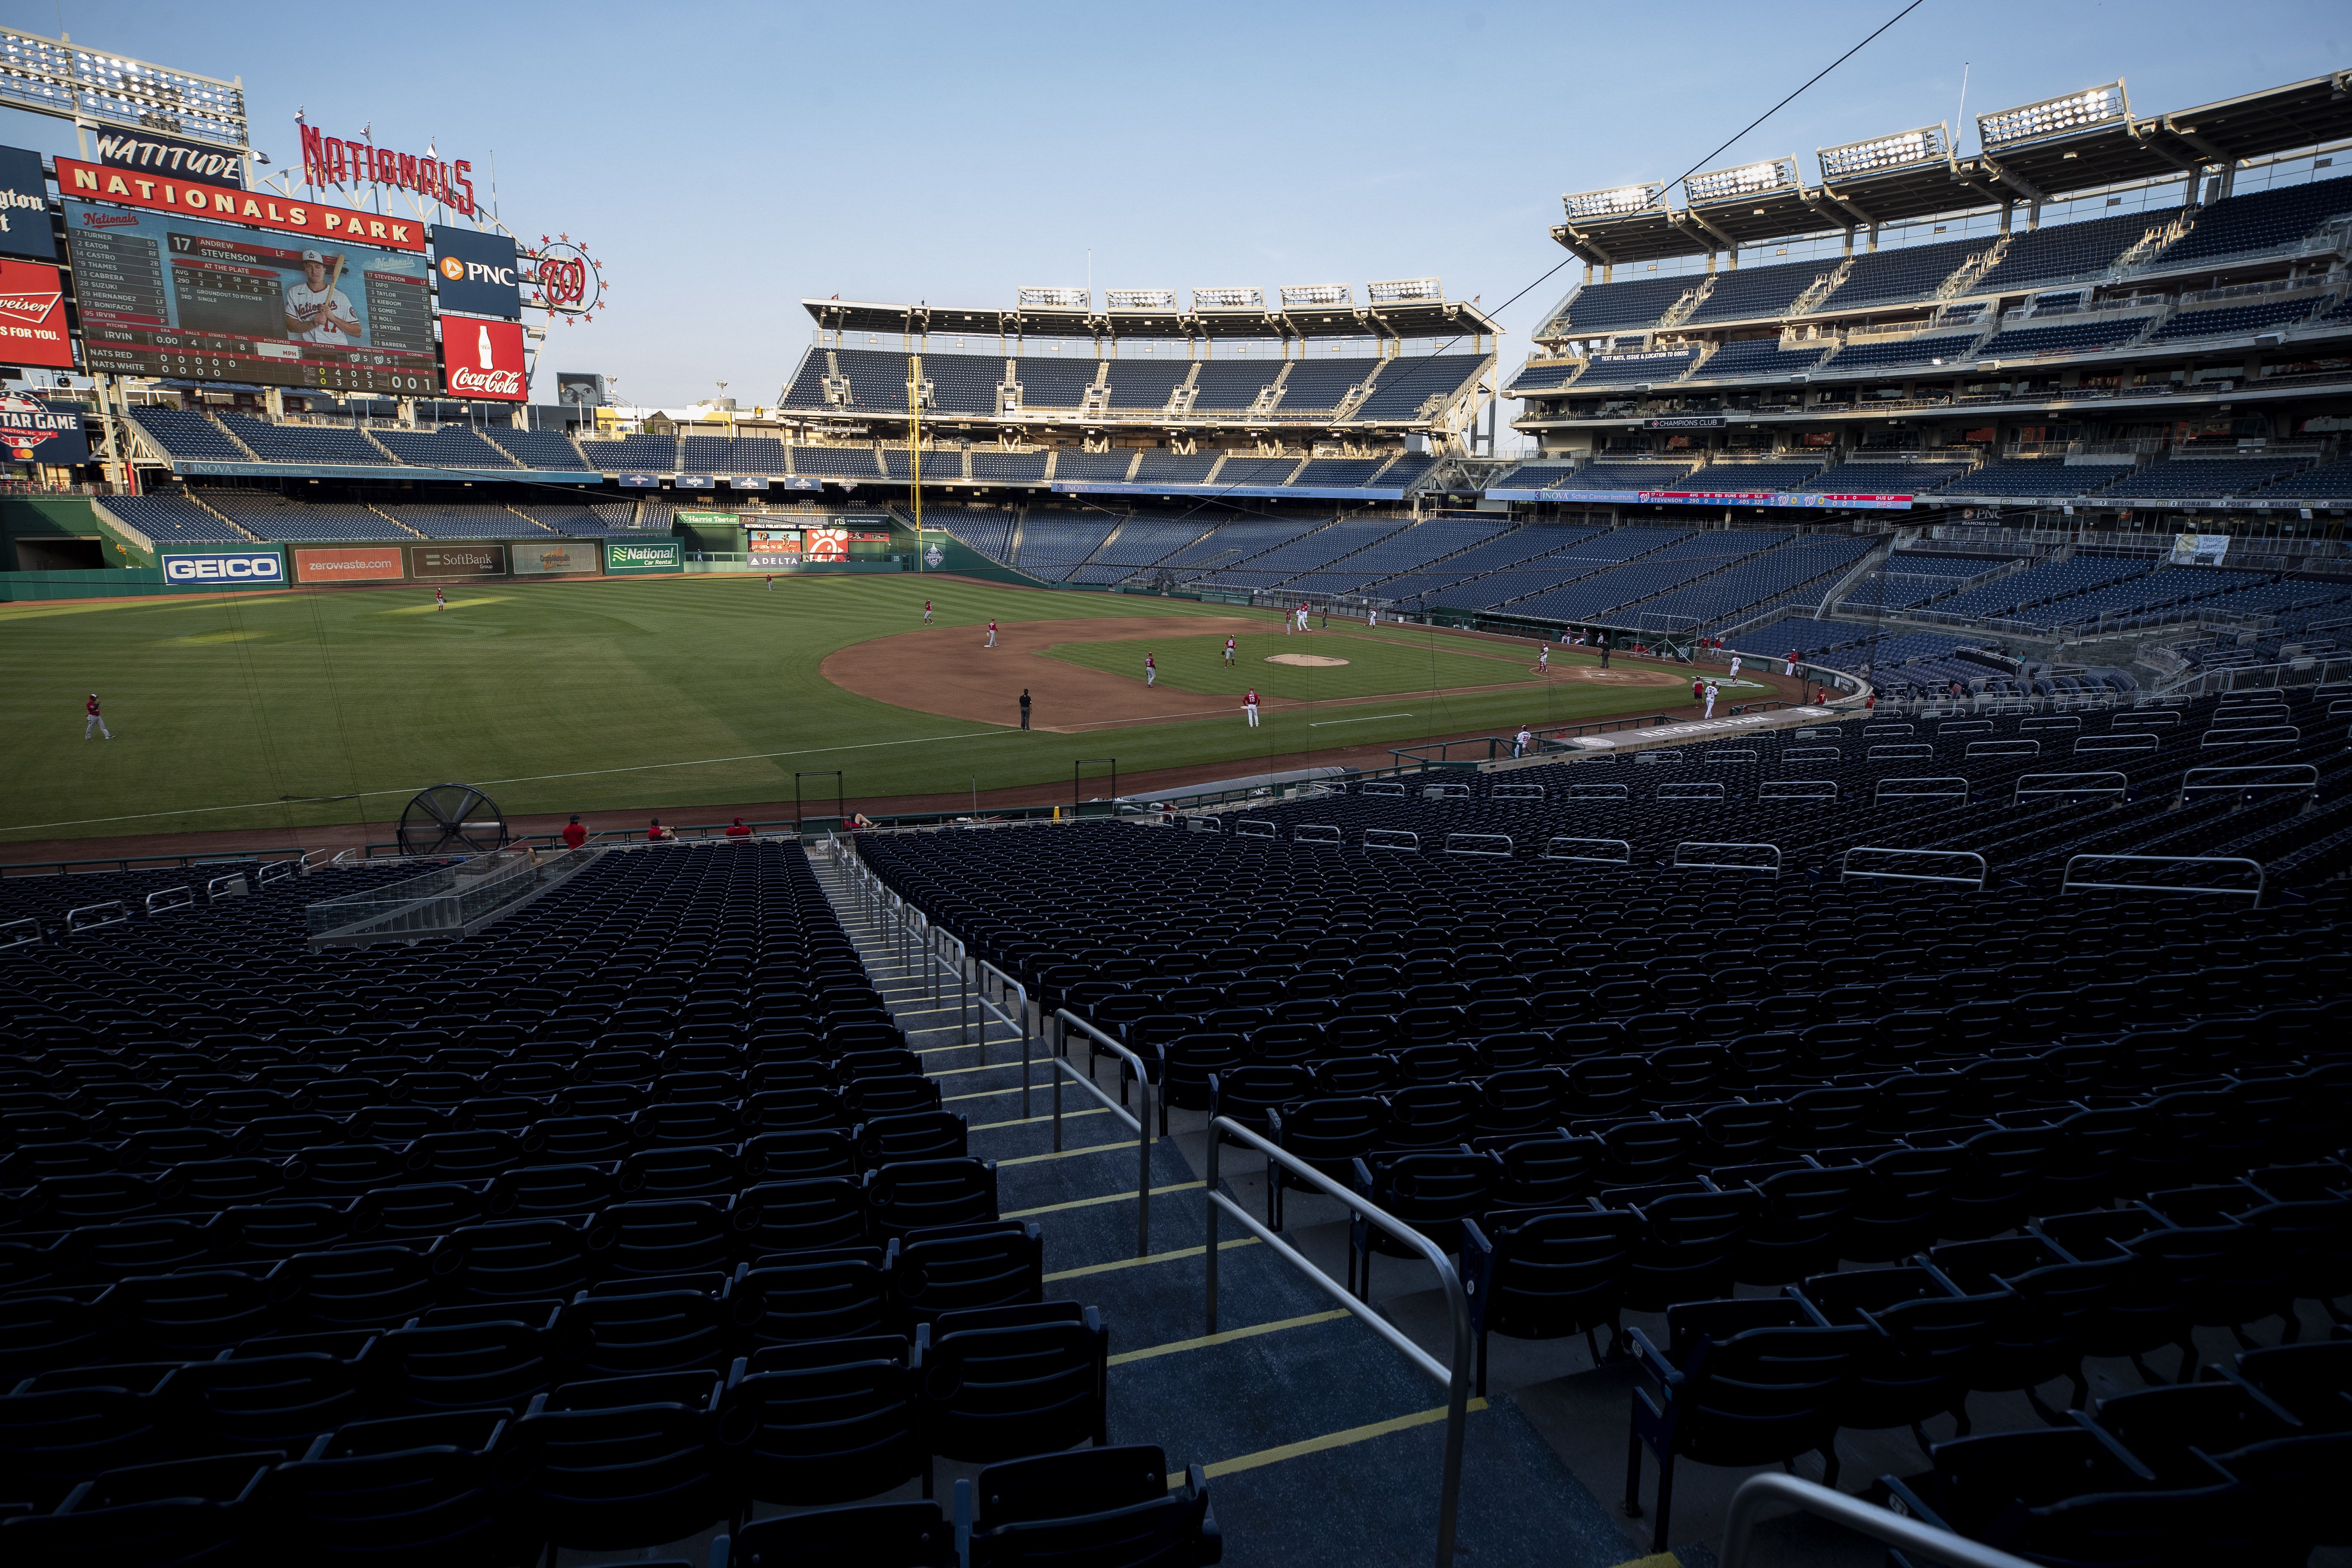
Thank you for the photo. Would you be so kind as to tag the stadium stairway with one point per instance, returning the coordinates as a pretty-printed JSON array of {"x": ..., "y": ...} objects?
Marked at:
[{"x": 1322, "y": 1447}]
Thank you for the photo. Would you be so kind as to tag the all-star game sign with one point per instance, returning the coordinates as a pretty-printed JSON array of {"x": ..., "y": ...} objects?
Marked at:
[{"x": 33, "y": 432}]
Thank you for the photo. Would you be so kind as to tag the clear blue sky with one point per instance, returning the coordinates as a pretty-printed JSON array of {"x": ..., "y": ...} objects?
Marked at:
[{"x": 725, "y": 160}]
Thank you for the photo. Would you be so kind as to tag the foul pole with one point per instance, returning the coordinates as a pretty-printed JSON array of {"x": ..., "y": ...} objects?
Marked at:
[{"x": 915, "y": 446}]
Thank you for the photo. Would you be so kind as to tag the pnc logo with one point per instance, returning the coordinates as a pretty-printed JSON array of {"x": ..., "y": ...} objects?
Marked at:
[
  {"x": 453, "y": 269},
  {"x": 457, "y": 270}
]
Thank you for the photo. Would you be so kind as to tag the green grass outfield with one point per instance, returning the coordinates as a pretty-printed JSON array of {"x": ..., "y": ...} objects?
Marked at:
[
  {"x": 268, "y": 710},
  {"x": 1376, "y": 663}
]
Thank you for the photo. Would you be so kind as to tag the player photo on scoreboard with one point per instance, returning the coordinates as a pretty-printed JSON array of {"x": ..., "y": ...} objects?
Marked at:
[{"x": 162, "y": 294}]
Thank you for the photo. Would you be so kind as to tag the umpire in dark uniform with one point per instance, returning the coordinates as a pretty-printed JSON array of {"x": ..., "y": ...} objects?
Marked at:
[{"x": 1024, "y": 708}]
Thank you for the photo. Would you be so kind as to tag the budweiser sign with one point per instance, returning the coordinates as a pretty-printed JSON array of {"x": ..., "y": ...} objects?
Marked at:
[
  {"x": 28, "y": 307},
  {"x": 484, "y": 359},
  {"x": 32, "y": 317}
]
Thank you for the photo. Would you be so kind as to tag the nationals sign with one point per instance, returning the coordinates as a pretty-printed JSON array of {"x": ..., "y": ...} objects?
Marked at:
[
  {"x": 261, "y": 209},
  {"x": 484, "y": 359}
]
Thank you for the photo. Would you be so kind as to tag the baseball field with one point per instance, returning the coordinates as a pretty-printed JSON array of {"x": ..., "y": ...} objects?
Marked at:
[{"x": 266, "y": 711}]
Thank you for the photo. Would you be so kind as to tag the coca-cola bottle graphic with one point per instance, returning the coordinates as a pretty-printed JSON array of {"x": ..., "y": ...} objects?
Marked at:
[{"x": 482, "y": 346}]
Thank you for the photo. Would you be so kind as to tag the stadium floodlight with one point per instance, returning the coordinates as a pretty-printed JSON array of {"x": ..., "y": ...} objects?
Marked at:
[
  {"x": 49, "y": 76},
  {"x": 2052, "y": 116},
  {"x": 1403, "y": 291},
  {"x": 1736, "y": 184},
  {"x": 1140, "y": 298},
  {"x": 1056, "y": 300},
  {"x": 1905, "y": 149},
  {"x": 1616, "y": 203},
  {"x": 1306, "y": 296},
  {"x": 1228, "y": 299}
]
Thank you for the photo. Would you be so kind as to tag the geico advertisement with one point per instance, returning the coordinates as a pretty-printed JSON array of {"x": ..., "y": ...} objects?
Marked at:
[{"x": 248, "y": 567}]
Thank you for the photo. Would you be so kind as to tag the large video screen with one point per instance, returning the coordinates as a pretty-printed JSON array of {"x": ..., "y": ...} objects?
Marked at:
[{"x": 168, "y": 296}]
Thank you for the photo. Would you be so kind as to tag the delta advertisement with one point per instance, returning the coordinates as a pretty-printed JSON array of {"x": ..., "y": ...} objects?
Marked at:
[
  {"x": 37, "y": 432},
  {"x": 355, "y": 563},
  {"x": 573, "y": 558},
  {"x": 628, "y": 557},
  {"x": 211, "y": 570}
]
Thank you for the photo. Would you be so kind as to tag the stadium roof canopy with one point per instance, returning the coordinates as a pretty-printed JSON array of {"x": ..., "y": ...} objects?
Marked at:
[
  {"x": 2034, "y": 152},
  {"x": 1429, "y": 315}
]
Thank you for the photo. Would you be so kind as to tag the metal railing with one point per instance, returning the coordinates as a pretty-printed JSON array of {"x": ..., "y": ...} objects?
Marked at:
[
  {"x": 1624, "y": 856},
  {"x": 1455, "y": 1378},
  {"x": 1141, "y": 1121},
  {"x": 165, "y": 900},
  {"x": 2069, "y": 884},
  {"x": 1758, "y": 1493},
  {"x": 1797, "y": 789},
  {"x": 1848, "y": 870},
  {"x": 1771, "y": 866},
  {"x": 22, "y": 933},
  {"x": 2295, "y": 777},
  {"x": 99, "y": 916},
  {"x": 1007, "y": 988},
  {"x": 1948, "y": 787},
  {"x": 2072, "y": 785}
]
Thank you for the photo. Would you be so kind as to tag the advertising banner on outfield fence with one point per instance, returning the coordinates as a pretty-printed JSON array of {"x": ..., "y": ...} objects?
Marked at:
[
  {"x": 456, "y": 560},
  {"x": 573, "y": 558},
  {"x": 778, "y": 546},
  {"x": 355, "y": 563},
  {"x": 34, "y": 432},
  {"x": 626, "y": 557},
  {"x": 214, "y": 569},
  {"x": 33, "y": 316}
]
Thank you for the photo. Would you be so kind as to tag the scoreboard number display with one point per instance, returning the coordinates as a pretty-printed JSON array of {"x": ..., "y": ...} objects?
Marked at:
[{"x": 166, "y": 296}]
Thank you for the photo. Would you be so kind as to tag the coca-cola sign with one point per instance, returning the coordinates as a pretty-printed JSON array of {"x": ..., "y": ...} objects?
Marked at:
[{"x": 483, "y": 359}]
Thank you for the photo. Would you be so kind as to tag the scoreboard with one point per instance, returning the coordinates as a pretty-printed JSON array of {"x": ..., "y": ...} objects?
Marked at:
[{"x": 165, "y": 296}]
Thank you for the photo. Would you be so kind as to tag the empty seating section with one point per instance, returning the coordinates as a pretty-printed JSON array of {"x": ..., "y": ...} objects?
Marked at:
[
  {"x": 1405, "y": 471},
  {"x": 807, "y": 390},
  {"x": 1746, "y": 293},
  {"x": 1049, "y": 381},
  {"x": 1901, "y": 272},
  {"x": 634, "y": 454},
  {"x": 550, "y": 451},
  {"x": 584, "y": 521},
  {"x": 1863, "y": 475},
  {"x": 1732, "y": 478},
  {"x": 321, "y": 444},
  {"x": 1330, "y": 472},
  {"x": 170, "y": 519},
  {"x": 1922, "y": 351},
  {"x": 1255, "y": 473},
  {"x": 1600, "y": 593},
  {"x": 1316, "y": 549},
  {"x": 591, "y": 1232},
  {"x": 1098, "y": 468},
  {"x": 186, "y": 433},
  {"x": 1913, "y": 579},
  {"x": 1550, "y": 377},
  {"x": 940, "y": 464},
  {"x": 987, "y": 529},
  {"x": 2166, "y": 586},
  {"x": 1635, "y": 302},
  {"x": 1417, "y": 546},
  {"x": 2234, "y": 320},
  {"x": 1145, "y": 541},
  {"x": 1606, "y": 474},
  {"x": 268, "y": 516},
  {"x": 1233, "y": 544},
  {"x": 2091, "y": 334},
  {"x": 1799, "y": 568},
  {"x": 1652, "y": 368},
  {"x": 1505, "y": 550},
  {"x": 1407, "y": 386},
  {"x": 1144, "y": 386},
  {"x": 2326, "y": 481},
  {"x": 963, "y": 383},
  {"x": 705, "y": 455},
  {"x": 836, "y": 462},
  {"x": 1007, "y": 467},
  {"x": 1053, "y": 542},
  {"x": 1762, "y": 357},
  {"x": 1577, "y": 555},
  {"x": 876, "y": 380},
  {"x": 463, "y": 521},
  {"x": 2261, "y": 220},
  {"x": 2040, "y": 584},
  {"x": 2065, "y": 252},
  {"x": 1159, "y": 466},
  {"x": 1831, "y": 1158},
  {"x": 2037, "y": 476},
  {"x": 451, "y": 447},
  {"x": 1317, "y": 385},
  {"x": 2186, "y": 477},
  {"x": 1229, "y": 386}
]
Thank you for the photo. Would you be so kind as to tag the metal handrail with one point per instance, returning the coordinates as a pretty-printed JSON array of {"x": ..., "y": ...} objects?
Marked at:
[
  {"x": 2071, "y": 784},
  {"x": 1758, "y": 1493},
  {"x": 1142, "y": 1120},
  {"x": 163, "y": 899},
  {"x": 1682, "y": 865},
  {"x": 35, "y": 935},
  {"x": 232, "y": 886},
  {"x": 75, "y": 922},
  {"x": 1388, "y": 835},
  {"x": 2306, "y": 777},
  {"x": 1626, "y": 858},
  {"x": 2066, "y": 883},
  {"x": 1019, "y": 1022},
  {"x": 1455, "y": 1378},
  {"x": 1785, "y": 789},
  {"x": 1467, "y": 841},
  {"x": 1943, "y": 793},
  {"x": 1846, "y": 870}
]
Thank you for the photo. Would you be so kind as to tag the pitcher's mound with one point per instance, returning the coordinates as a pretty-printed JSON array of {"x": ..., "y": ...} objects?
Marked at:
[{"x": 1315, "y": 660}]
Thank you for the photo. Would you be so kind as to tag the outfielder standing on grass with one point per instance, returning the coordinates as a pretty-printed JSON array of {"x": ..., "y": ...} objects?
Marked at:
[
  {"x": 992, "y": 633},
  {"x": 91, "y": 707},
  {"x": 1249, "y": 706},
  {"x": 1151, "y": 671},
  {"x": 1229, "y": 651},
  {"x": 440, "y": 600},
  {"x": 927, "y": 612}
]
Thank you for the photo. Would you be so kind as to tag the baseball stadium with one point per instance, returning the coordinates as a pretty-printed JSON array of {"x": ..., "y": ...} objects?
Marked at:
[{"x": 1135, "y": 929}]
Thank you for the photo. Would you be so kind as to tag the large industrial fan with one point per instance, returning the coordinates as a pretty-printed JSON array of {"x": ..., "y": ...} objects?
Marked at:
[{"x": 452, "y": 819}]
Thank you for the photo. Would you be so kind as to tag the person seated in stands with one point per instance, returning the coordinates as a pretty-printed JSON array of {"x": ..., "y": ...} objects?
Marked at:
[
  {"x": 575, "y": 833},
  {"x": 657, "y": 834},
  {"x": 738, "y": 829}
]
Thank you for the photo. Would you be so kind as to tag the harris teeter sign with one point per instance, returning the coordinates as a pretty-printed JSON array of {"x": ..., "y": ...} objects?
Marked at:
[{"x": 624, "y": 557}]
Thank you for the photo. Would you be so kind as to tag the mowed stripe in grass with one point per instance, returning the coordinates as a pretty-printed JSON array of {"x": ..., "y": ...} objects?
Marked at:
[
  {"x": 1374, "y": 666},
  {"x": 626, "y": 689}
]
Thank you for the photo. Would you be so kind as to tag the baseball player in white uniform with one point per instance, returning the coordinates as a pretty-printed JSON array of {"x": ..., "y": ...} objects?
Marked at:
[
  {"x": 1543, "y": 659},
  {"x": 1151, "y": 671},
  {"x": 318, "y": 312},
  {"x": 992, "y": 633},
  {"x": 1229, "y": 651},
  {"x": 1302, "y": 615},
  {"x": 1520, "y": 742},
  {"x": 1710, "y": 702},
  {"x": 1249, "y": 706},
  {"x": 1734, "y": 666}
]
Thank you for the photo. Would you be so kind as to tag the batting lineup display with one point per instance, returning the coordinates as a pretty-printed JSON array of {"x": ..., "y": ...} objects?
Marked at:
[{"x": 161, "y": 295}]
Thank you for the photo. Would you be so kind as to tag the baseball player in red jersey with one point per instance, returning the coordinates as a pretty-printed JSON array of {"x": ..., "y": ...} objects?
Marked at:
[
  {"x": 927, "y": 612},
  {"x": 1151, "y": 671},
  {"x": 771, "y": 582},
  {"x": 1249, "y": 706},
  {"x": 440, "y": 600},
  {"x": 1302, "y": 615},
  {"x": 992, "y": 633},
  {"x": 91, "y": 707},
  {"x": 1543, "y": 659},
  {"x": 1229, "y": 651}
]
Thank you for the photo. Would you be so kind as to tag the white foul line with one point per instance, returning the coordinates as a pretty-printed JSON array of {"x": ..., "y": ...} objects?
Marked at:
[{"x": 1365, "y": 719}]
